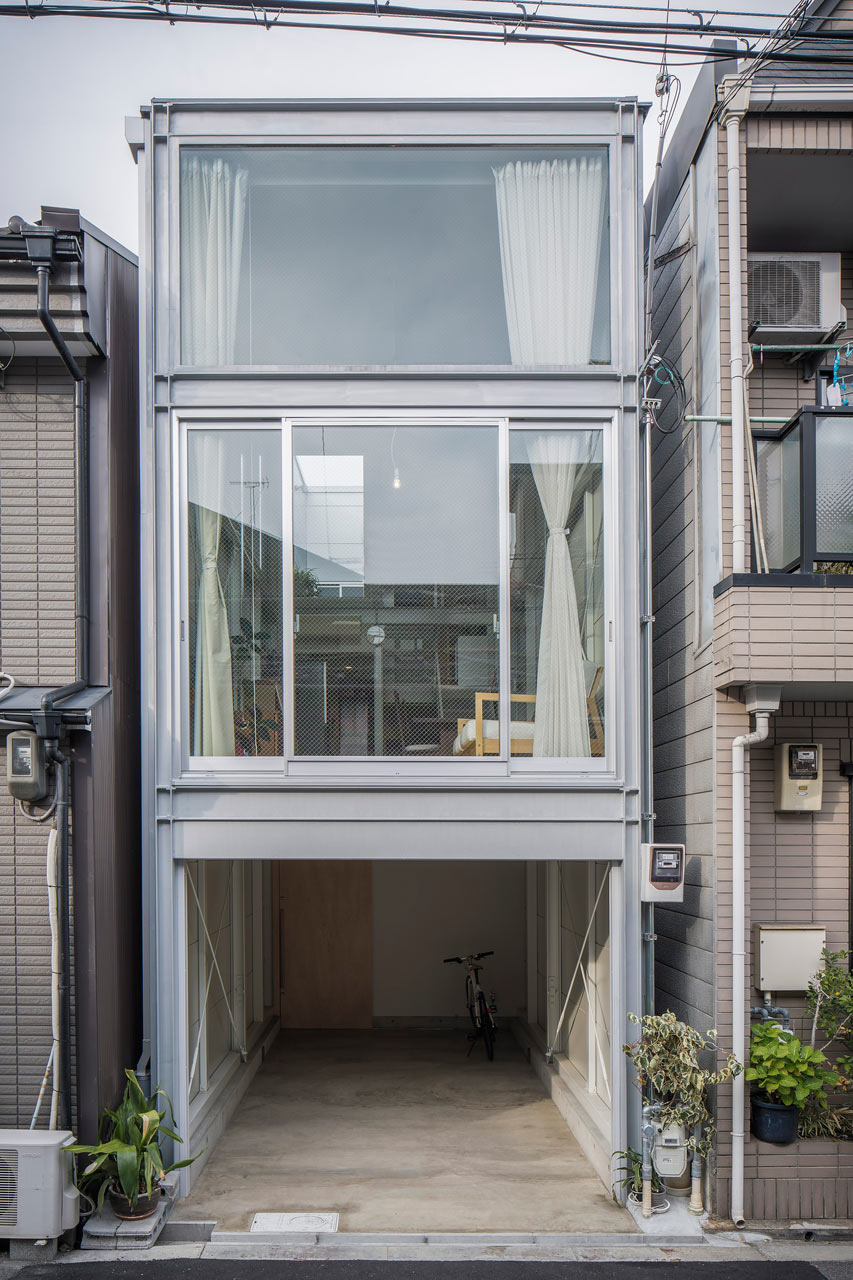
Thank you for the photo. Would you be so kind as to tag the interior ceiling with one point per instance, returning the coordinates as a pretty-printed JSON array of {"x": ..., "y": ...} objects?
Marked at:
[{"x": 799, "y": 202}]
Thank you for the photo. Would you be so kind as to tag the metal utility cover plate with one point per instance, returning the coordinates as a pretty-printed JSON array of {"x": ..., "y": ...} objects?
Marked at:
[{"x": 284, "y": 1222}]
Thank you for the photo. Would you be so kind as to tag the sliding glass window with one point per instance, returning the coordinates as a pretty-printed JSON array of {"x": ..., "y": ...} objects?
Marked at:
[
  {"x": 371, "y": 256},
  {"x": 557, "y": 592},
  {"x": 234, "y": 592},
  {"x": 396, "y": 571},
  {"x": 401, "y": 640}
]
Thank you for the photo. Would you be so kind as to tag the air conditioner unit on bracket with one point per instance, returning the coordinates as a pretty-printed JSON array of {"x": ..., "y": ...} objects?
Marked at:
[
  {"x": 38, "y": 1199},
  {"x": 794, "y": 297}
]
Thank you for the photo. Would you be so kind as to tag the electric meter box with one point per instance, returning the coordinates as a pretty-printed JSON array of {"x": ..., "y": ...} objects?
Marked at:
[
  {"x": 799, "y": 777},
  {"x": 663, "y": 872},
  {"x": 26, "y": 772}
]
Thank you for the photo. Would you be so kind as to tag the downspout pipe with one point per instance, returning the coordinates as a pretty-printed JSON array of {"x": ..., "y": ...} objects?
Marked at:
[
  {"x": 763, "y": 701},
  {"x": 731, "y": 118}
]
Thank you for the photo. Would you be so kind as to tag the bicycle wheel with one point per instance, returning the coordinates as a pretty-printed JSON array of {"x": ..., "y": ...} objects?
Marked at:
[
  {"x": 471, "y": 1003},
  {"x": 487, "y": 1027}
]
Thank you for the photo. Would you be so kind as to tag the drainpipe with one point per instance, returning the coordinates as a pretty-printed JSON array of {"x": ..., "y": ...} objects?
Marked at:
[
  {"x": 762, "y": 700},
  {"x": 731, "y": 118},
  {"x": 647, "y": 918}
]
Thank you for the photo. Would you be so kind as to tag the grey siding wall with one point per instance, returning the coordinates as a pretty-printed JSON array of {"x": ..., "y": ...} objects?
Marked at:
[
  {"x": 36, "y": 646},
  {"x": 37, "y": 523},
  {"x": 683, "y": 686}
]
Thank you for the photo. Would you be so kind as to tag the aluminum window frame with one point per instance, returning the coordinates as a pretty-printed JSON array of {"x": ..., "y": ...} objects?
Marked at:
[
  {"x": 213, "y": 142},
  {"x": 236, "y": 771}
]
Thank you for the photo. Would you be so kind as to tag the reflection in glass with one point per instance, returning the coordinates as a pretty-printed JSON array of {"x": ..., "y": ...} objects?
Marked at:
[
  {"x": 395, "y": 581},
  {"x": 235, "y": 577},
  {"x": 557, "y": 593},
  {"x": 778, "y": 471}
]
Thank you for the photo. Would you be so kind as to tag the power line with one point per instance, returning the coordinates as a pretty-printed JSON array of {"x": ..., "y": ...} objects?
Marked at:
[{"x": 510, "y": 23}]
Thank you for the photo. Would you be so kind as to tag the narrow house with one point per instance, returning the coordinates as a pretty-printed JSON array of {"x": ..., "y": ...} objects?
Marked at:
[
  {"x": 390, "y": 591},
  {"x": 752, "y": 548},
  {"x": 69, "y": 626}
]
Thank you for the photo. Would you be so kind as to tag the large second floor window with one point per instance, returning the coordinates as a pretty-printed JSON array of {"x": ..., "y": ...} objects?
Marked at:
[
  {"x": 411, "y": 595},
  {"x": 425, "y": 256}
]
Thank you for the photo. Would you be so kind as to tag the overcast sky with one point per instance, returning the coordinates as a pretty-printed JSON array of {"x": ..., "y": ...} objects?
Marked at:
[{"x": 69, "y": 83}]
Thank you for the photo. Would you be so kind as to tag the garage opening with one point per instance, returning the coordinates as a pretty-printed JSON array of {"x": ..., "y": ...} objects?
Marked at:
[{"x": 330, "y": 1060}]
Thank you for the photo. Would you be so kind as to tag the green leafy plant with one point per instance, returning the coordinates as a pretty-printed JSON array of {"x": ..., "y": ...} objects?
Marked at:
[
  {"x": 830, "y": 1003},
  {"x": 305, "y": 583},
  {"x": 127, "y": 1154},
  {"x": 632, "y": 1169},
  {"x": 666, "y": 1060},
  {"x": 785, "y": 1070}
]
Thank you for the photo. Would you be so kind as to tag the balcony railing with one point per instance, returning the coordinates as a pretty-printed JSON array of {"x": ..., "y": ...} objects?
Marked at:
[{"x": 805, "y": 491}]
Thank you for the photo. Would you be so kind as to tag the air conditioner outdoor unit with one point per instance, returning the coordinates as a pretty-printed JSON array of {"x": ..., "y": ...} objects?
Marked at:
[
  {"x": 794, "y": 297},
  {"x": 38, "y": 1199}
]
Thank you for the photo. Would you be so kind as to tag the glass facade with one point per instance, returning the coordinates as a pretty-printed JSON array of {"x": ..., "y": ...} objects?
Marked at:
[
  {"x": 380, "y": 256},
  {"x": 402, "y": 542}
]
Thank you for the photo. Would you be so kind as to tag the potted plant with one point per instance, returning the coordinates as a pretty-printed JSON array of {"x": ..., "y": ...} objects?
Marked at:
[
  {"x": 785, "y": 1073},
  {"x": 632, "y": 1180},
  {"x": 126, "y": 1163},
  {"x": 666, "y": 1059}
]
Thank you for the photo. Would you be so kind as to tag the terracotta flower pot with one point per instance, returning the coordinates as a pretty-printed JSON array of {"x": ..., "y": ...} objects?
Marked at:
[{"x": 144, "y": 1207}]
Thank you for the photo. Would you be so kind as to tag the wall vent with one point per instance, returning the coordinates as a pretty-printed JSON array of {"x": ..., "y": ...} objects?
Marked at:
[{"x": 8, "y": 1187}]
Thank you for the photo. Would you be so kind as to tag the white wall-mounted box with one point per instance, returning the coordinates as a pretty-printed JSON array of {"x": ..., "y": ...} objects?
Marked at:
[{"x": 786, "y": 956}]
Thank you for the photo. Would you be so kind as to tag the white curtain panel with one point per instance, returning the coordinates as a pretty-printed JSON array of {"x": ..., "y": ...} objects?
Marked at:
[
  {"x": 562, "y": 728},
  {"x": 214, "y": 691},
  {"x": 213, "y": 218},
  {"x": 551, "y": 220}
]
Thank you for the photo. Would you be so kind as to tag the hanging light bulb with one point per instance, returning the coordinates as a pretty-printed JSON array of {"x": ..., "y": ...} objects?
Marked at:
[{"x": 398, "y": 484}]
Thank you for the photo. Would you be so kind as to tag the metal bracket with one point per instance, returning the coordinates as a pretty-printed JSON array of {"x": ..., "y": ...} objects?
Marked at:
[
  {"x": 647, "y": 617},
  {"x": 649, "y": 817},
  {"x": 650, "y": 937}
]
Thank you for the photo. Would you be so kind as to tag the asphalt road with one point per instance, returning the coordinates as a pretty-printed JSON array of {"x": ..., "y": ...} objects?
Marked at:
[{"x": 298, "y": 1269}]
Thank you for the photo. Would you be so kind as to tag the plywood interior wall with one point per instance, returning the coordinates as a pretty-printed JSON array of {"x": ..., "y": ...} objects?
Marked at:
[{"x": 326, "y": 944}]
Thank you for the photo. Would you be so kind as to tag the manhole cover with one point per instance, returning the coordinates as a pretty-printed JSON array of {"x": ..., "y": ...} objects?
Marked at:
[{"x": 294, "y": 1222}]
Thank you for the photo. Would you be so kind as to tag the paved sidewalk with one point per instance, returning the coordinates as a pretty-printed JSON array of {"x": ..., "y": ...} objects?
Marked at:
[{"x": 728, "y": 1258}]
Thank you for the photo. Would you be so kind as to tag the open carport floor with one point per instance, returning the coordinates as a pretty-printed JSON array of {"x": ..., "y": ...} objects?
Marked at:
[{"x": 399, "y": 1131}]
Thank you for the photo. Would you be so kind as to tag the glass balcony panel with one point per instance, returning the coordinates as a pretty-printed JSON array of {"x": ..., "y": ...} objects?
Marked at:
[
  {"x": 396, "y": 595},
  {"x": 235, "y": 596},
  {"x": 834, "y": 486},
  {"x": 778, "y": 468},
  {"x": 557, "y": 592}
]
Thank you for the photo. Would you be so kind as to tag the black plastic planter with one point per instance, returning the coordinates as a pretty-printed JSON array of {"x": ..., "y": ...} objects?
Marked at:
[{"x": 773, "y": 1122}]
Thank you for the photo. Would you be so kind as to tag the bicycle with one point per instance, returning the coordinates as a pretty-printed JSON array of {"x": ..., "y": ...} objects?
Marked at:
[{"x": 481, "y": 1011}]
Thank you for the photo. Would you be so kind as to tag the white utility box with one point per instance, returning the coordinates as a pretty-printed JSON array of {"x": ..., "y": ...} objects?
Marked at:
[
  {"x": 798, "y": 783},
  {"x": 786, "y": 956},
  {"x": 38, "y": 1199}
]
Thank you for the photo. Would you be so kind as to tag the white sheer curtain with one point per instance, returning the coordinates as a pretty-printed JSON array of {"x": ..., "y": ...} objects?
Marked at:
[
  {"x": 562, "y": 728},
  {"x": 213, "y": 216},
  {"x": 213, "y": 729},
  {"x": 551, "y": 218}
]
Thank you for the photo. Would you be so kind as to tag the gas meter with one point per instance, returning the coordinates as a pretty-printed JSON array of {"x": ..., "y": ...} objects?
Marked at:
[
  {"x": 799, "y": 777},
  {"x": 663, "y": 873},
  {"x": 26, "y": 771},
  {"x": 669, "y": 1153}
]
